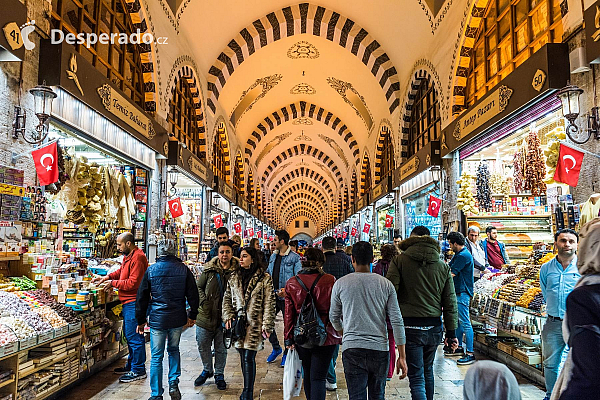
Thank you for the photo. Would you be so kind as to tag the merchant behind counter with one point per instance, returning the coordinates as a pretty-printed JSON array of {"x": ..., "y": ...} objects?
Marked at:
[{"x": 128, "y": 279}]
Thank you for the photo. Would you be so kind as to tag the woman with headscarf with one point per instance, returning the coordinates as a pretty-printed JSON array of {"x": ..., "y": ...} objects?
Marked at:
[
  {"x": 250, "y": 295},
  {"x": 388, "y": 252},
  {"x": 490, "y": 380},
  {"x": 315, "y": 360},
  {"x": 581, "y": 325}
]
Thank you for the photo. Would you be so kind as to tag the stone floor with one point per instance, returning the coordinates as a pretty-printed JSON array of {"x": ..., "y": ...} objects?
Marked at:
[{"x": 105, "y": 385}]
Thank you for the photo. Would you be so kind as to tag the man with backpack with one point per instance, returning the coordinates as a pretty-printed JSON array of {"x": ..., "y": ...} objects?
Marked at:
[{"x": 360, "y": 303}]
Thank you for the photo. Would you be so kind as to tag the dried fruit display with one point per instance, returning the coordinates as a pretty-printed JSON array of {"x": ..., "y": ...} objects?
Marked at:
[
  {"x": 527, "y": 297},
  {"x": 466, "y": 200},
  {"x": 535, "y": 167},
  {"x": 484, "y": 192},
  {"x": 499, "y": 185},
  {"x": 552, "y": 153},
  {"x": 518, "y": 171}
]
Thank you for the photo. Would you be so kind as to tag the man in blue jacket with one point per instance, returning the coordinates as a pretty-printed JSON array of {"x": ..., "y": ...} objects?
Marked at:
[
  {"x": 162, "y": 295},
  {"x": 495, "y": 252},
  {"x": 461, "y": 267},
  {"x": 283, "y": 265}
]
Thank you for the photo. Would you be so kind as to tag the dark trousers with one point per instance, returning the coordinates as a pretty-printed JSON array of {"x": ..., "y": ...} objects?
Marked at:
[
  {"x": 279, "y": 306},
  {"x": 365, "y": 369},
  {"x": 315, "y": 363},
  {"x": 248, "y": 359},
  {"x": 420, "y": 354}
]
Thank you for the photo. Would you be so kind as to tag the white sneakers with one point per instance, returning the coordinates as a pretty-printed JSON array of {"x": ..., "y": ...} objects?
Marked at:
[{"x": 330, "y": 386}]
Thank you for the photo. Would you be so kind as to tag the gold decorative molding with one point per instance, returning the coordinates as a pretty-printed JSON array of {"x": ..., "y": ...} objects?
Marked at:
[
  {"x": 254, "y": 93},
  {"x": 353, "y": 99},
  {"x": 276, "y": 141},
  {"x": 72, "y": 72},
  {"x": 332, "y": 143},
  {"x": 303, "y": 49},
  {"x": 303, "y": 88}
]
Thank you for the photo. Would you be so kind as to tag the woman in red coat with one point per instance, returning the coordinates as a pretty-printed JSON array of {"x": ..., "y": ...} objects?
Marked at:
[{"x": 316, "y": 360}]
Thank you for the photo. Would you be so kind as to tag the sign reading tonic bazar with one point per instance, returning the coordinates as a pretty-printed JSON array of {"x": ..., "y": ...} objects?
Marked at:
[
  {"x": 125, "y": 111},
  {"x": 493, "y": 105},
  {"x": 198, "y": 168}
]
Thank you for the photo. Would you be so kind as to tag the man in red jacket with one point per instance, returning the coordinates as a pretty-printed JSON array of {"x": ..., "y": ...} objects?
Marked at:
[{"x": 127, "y": 279}]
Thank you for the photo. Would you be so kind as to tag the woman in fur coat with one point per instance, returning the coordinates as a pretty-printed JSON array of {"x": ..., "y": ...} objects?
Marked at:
[{"x": 250, "y": 295}]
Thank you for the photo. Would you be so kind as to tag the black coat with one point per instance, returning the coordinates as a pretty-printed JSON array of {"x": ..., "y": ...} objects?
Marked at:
[{"x": 163, "y": 292}]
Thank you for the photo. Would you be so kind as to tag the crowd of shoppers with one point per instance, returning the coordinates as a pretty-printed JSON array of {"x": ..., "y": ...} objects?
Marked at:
[{"x": 388, "y": 318}]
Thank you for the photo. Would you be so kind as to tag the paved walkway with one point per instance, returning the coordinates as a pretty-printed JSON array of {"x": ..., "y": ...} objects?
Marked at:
[{"x": 105, "y": 385}]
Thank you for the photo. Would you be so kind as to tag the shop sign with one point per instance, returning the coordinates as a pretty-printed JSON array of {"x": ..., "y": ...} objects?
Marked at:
[
  {"x": 591, "y": 17},
  {"x": 493, "y": 105},
  {"x": 225, "y": 190},
  {"x": 121, "y": 108},
  {"x": 410, "y": 167},
  {"x": 15, "y": 31},
  {"x": 243, "y": 202},
  {"x": 360, "y": 204},
  {"x": 198, "y": 168},
  {"x": 12, "y": 190}
]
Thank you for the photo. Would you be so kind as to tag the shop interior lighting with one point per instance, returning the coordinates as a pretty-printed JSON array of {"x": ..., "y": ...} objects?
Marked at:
[{"x": 569, "y": 97}]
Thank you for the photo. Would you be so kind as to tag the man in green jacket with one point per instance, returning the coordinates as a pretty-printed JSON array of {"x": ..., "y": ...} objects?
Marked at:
[
  {"x": 209, "y": 330},
  {"x": 425, "y": 291}
]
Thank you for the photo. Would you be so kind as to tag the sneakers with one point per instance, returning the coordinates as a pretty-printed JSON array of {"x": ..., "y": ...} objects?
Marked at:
[
  {"x": 466, "y": 360},
  {"x": 330, "y": 386},
  {"x": 458, "y": 352},
  {"x": 174, "y": 391},
  {"x": 156, "y": 398},
  {"x": 202, "y": 378},
  {"x": 121, "y": 370},
  {"x": 132, "y": 376},
  {"x": 283, "y": 360},
  {"x": 274, "y": 354},
  {"x": 220, "y": 381}
]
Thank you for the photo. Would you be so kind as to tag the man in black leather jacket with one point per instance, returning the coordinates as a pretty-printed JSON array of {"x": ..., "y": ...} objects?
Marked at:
[{"x": 162, "y": 295}]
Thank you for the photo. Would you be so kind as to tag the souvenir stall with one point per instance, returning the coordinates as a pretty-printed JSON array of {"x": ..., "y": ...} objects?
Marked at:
[
  {"x": 508, "y": 145},
  {"x": 222, "y": 199},
  {"x": 383, "y": 203},
  {"x": 365, "y": 218}
]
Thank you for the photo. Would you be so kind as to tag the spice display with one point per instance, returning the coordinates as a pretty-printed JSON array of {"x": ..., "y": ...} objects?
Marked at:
[
  {"x": 535, "y": 167},
  {"x": 518, "y": 171},
  {"x": 484, "y": 192},
  {"x": 7, "y": 336},
  {"x": 466, "y": 200}
]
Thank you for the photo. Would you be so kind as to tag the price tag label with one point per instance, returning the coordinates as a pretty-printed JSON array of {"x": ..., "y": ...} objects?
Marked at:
[{"x": 54, "y": 290}]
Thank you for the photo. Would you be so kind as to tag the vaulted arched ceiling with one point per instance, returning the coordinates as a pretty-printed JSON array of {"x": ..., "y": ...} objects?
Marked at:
[{"x": 304, "y": 87}]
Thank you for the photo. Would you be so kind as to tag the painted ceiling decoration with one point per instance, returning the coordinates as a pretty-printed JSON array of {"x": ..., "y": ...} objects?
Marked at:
[
  {"x": 305, "y": 18},
  {"x": 353, "y": 99},
  {"x": 335, "y": 147},
  {"x": 302, "y": 149},
  {"x": 303, "y": 49},
  {"x": 300, "y": 206},
  {"x": 303, "y": 173},
  {"x": 303, "y": 111},
  {"x": 270, "y": 146},
  {"x": 302, "y": 138},
  {"x": 303, "y": 88},
  {"x": 305, "y": 187},
  {"x": 302, "y": 121},
  {"x": 305, "y": 198},
  {"x": 254, "y": 93}
]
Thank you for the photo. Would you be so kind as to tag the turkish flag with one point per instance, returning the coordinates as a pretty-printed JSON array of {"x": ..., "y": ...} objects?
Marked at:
[
  {"x": 367, "y": 228},
  {"x": 389, "y": 220},
  {"x": 250, "y": 232},
  {"x": 344, "y": 235},
  {"x": 46, "y": 164},
  {"x": 218, "y": 220},
  {"x": 237, "y": 227},
  {"x": 175, "y": 207},
  {"x": 569, "y": 165},
  {"x": 271, "y": 238},
  {"x": 259, "y": 234},
  {"x": 353, "y": 231},
  {"x": 434, "y": 206}
]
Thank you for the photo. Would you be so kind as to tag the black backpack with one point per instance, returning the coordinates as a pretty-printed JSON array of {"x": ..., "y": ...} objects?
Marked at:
[{"x": 309, "y": 331}]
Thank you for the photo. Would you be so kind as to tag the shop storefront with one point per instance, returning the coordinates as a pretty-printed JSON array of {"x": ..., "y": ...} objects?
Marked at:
[
  {"x": 365, "y": 218},
  {"x": 504, "y": 145},
  {"x": 385, "y": 212},
  {"x": 187, "y": 179},
  {"x": 419, "y": 181},
  {"x": 222, "y": 201}
]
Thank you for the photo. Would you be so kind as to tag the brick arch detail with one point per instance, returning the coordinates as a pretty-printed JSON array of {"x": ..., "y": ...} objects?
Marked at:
[
  {"x": 384, "y": 130},
  {"x": 365, "y": 168},
  {"x": 305, "y": 18},
  {"x": 220, "y": 133}
]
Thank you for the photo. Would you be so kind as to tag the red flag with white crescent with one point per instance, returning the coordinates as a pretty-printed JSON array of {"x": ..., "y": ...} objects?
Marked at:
[
  {"x": 250, "y": 232},
  {"x": 367, "y": 228},
  {"x": 434, "y": 206},
  {"x": 259, "y": 234},
  {"x": 344, "y": 235},
  {"x": 237, "y": 227},
  {"x": 271, "y": 238},
  {"x": 46, "y": 164},
  {"x": 389, "y": 220},
  {"x": 218, "y": 220},
  {"x": 353, "y": 231},
  {"x": 569, "y": 165},
  {"x": 175, "y": 207}
]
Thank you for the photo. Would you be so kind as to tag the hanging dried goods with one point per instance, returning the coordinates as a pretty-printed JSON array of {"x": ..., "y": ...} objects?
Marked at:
[
  {"x": 535, "y": 167},
  {"x": 466, "y": 199},
  {"x": 484, "y": 192}
]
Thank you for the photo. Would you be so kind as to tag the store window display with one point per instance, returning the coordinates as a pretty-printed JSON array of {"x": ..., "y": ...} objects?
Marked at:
[{"x": 415, "y": 213}]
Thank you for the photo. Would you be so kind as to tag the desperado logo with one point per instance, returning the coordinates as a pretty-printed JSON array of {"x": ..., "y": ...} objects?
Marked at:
[{"x": 18, "y": 37}]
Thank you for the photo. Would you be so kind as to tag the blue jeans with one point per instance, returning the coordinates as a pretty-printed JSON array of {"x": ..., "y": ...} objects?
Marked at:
[
  {"x": 463, "y": 301},
  {"x": 365, "y": 369},
  {"x": 420, "y": 353},
  {"x": 553, "y": 349},
  {"x": 331, "y": 378},
  {"x": 157, "y": 348},
  {"x": 135, "y": 342}
]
